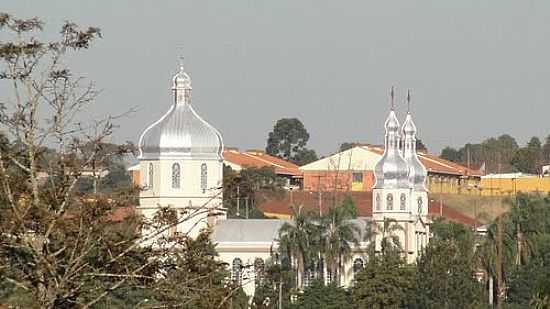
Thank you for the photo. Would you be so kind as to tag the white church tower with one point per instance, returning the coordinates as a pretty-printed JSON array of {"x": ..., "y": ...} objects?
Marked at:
[
  {"x": 399, "y": 192},
  {"x": 181, "y": 164}
]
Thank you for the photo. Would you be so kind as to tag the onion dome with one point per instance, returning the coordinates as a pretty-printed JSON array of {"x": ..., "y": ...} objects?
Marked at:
[
  {"x": 181, "y": 133},
  {"x": 391, "y": 170},
  {"x": 417, "y": 172}
]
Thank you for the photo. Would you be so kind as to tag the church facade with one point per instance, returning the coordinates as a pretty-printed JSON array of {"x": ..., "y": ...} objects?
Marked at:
[{"x": 181, "y": 164}]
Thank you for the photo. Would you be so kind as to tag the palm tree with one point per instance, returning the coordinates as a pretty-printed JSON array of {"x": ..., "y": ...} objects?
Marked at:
[
  {"x": 387, "y": 231},
  {"x": 296, "y": 241},
  {"x": 338, "y": 234}
]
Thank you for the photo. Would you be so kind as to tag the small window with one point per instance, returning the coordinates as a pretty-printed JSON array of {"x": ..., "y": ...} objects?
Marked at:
[
  {"x": 389, "y": 201},
  {"x": 358, "y": 265},
  {"x": 357, "y": 177},
  {"x": 378, "y": 201},
  {"x": 176, "y": 175},
  {"x": 204, "y": 177},
  {"x": 403, "y": 201},
  {"x": 236, "y": 270},
  {"x": 150, "y": 176}
]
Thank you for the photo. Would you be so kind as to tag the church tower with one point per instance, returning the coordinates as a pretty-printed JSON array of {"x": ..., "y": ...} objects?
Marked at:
[
  {"x": 181, "y": 164},
  {"x": 399, "y": 193},
  {"x": 417, "y": 174}
]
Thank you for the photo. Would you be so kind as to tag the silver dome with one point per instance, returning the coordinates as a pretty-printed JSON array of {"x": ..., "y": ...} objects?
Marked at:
[
  {"x": 181, "y": 133},
  {"x": 417, "y": 172},
  {"x": 391, "y": 170}
]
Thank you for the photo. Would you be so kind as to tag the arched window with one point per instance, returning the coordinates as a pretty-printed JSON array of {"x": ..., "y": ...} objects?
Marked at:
[
  {"x": 176, "y": 176},
  {"x": 403, "y": 201},
  {"x": 236, "y": 270},
  {"x": 378, "y": 202},
  {"x": 358, "y": 265},
  {"x": 389, "y": 201},
  {"x": 150, "y": 176},
  {"x": 259, "y": 268},
  {"x": 204, "y": 177}
]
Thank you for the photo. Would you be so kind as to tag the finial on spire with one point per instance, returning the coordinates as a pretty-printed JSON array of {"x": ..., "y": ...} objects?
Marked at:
[
  {"x": 181, "y": 57},
  {"x": 392, "y": 95},
  {"x": 408, "y": 100}
]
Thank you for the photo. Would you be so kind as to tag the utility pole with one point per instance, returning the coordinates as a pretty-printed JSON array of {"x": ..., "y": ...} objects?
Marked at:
[
  {"x": 246, "y": 205},
  {"x": 500, "y": 283},
  {"x": 238, "y": 201},
  {"x": 519, "y": 235}
]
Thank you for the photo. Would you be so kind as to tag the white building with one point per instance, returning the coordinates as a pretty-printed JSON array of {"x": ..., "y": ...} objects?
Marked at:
[
  {"x": 181, "y": 164},
  {"x": 181, "y": 159}
]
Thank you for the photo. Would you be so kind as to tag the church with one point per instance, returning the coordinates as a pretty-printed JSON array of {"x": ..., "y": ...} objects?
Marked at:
[{"x": 181, "y": 168}]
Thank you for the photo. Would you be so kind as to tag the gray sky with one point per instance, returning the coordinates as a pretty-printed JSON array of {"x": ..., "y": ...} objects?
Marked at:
[{"x": 476, "y": 68}]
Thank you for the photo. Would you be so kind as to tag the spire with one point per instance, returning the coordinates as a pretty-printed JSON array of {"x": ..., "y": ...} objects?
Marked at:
[
  {"x": 408, "y": 101},
  {"x": 182, "y": 85},
  {"x": 417, "y": 172},
  {"x": 392, "y": 97}
]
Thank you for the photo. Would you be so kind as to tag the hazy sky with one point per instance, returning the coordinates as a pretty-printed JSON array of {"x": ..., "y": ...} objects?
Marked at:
[{"x": 477, "y": 68}]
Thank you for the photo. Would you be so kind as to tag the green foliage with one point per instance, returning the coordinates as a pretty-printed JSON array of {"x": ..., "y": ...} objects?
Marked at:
[
  {"x": 250, "y": 183},
  {"x": 420, "y": 146},
  {"x": 348, "y": 207},
  {"x": 445, "y": 270},
  {"x": 496, "y": 153},
  {"x": 386, "y": 282},
  {"x": 529, "y": 158},
  {"x": 451, "y": 154},
  {"x": 288, "y": 141},
  {"x": 320, "y": 296},
  {"x": 525, "y": 272},
  {"x": 277, "y": 284},
  {"x": 346, "y": 145}
]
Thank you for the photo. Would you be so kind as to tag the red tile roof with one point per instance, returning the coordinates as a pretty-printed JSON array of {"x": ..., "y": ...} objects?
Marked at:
[
  {"x": 254, "y": 158},
  {"x": 362, "y": 201},
  {"x": 435, "y": 164}
]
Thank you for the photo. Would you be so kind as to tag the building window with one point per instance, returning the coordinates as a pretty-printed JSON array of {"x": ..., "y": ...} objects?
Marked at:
[
  {"x": 236, "y": 270},
  {"x": 259, "y": 267},
  {"x": 403, "y": 201},
  {"x": 357, "y": 177},
  {"x": 389, "y": 201},
  {"x": 378, "y": 201},
  {"x": 150, "y": 176},
  {"x": 204, "y": 177},
  {"x": 176, "y": 175},
  {"x": 357, "y": 266}
]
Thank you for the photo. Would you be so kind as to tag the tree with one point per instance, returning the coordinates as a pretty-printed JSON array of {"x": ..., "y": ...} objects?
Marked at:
[
  {"x": 529, "y": 159},
  {"x": 61, "y": 248},
  {"x": 346, "y": 145},
  {"x": 297, "y": 242},
  {"x": 420, "y": 146},
  {"x": 386, "y": 282},
  {"x": 348, "y": 206},
  {"x": 193, "y": 277},
  {"x": 320, "y": 296},
  {"x": 248, "y": 187},
  {"x": 546, "y": 151},
  {"x": 288, "y": 141},
  {"x": 445, "y": 270},
  {"x": 451, "y": 154},
  {"x": 337, "y": 236}
]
